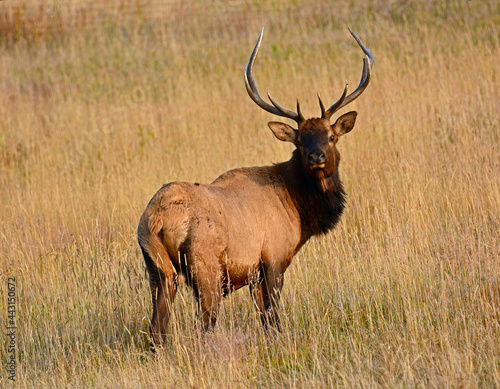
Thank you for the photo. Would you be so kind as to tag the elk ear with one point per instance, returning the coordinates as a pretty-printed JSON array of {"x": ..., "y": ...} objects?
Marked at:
[
  {"x": 283, "y": 131},
  {"x": 345, "y": 123}
]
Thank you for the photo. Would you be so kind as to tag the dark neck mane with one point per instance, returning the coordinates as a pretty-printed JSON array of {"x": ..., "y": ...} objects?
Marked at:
[{"x": 319, "y": 210}]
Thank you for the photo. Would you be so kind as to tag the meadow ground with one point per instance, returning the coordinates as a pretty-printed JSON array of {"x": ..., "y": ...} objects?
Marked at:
[{"x": 102, "y": 102}]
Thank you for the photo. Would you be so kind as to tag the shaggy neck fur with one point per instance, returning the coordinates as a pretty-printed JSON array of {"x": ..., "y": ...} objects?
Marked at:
[{"x": 320, "y": 204}]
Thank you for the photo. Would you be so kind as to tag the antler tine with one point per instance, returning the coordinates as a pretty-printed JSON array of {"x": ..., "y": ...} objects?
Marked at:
[
  {"x": 363, "y": 83},
  {"x": 301, "y": 117},
  {"x": 251, "y": 87},
  {"x": 323, "y": 112},
  {"x": 335, "y": 107},
  {"x": 285, "y": 112}
]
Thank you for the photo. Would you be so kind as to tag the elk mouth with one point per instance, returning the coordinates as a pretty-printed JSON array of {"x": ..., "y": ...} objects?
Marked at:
[{"x": 317, "y": 166}]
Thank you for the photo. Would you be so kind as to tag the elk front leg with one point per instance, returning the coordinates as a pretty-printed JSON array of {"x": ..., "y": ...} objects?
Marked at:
[{"x": 266, "y": 295}]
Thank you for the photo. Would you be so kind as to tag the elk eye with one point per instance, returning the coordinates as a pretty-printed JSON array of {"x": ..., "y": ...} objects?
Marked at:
[
  {"x": 332, "y": 138},
  {"x": 299, "y": 143}
]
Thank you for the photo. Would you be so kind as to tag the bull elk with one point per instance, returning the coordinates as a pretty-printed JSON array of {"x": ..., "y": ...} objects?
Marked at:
[{"x": 246, "y": 226}]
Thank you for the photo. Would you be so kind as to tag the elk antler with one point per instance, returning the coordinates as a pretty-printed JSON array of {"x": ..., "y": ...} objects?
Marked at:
[
  {"x": 365, "y": 79},
  {"x": 251, "y": 86},
  {"x": 276, "y": 109}
]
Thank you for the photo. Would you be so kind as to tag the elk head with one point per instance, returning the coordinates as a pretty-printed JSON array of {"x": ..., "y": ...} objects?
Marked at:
[{"x": 315, "y": 138}]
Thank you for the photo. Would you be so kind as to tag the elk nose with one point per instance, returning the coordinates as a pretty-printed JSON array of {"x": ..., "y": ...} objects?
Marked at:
[{"x": 316, "y": 157}]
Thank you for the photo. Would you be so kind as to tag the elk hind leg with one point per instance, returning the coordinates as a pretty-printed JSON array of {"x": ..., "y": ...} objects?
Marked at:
[
  {"x": 163, "y": 290},
  {"x": 207, "y": 286}
]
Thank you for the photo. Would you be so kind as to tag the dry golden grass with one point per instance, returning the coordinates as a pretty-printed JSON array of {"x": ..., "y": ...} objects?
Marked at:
[{"x": 97, "y": 115}]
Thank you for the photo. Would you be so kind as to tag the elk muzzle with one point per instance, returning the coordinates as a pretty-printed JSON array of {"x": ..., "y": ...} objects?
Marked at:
[{"x": 316, "y": 159}]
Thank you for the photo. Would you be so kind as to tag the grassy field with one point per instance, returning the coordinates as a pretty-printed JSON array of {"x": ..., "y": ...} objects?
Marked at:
[{"x": 101, "y": 103}]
